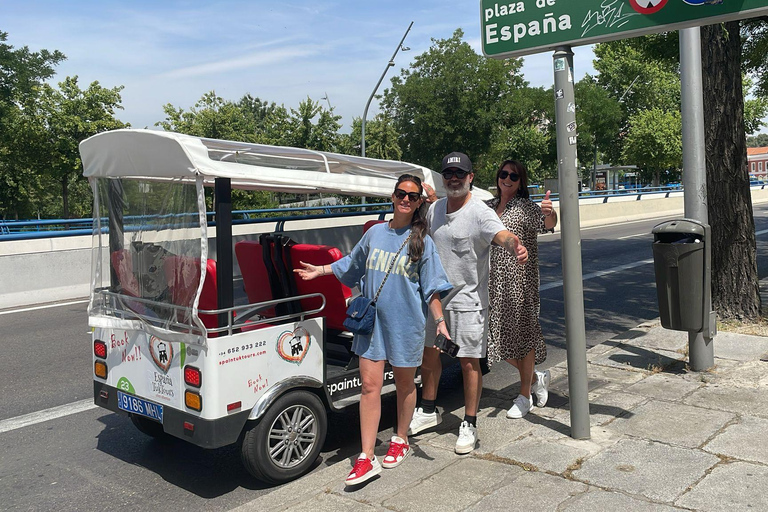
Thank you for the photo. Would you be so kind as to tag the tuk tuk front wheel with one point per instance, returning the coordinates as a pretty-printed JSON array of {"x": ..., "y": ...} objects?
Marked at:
[{"x": 285, "y": 443}]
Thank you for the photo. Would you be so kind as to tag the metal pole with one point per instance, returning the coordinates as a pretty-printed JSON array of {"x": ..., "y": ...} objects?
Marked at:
[
  {"x": 368, "y": 104},
  {"x": 224, "y": 273},
  {"x": 700, "y": 347},
  {"x": 573, "y": 292}
]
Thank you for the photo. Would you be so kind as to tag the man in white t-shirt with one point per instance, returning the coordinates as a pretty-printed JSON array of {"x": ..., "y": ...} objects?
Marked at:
[{"x": 463, "y": 229}]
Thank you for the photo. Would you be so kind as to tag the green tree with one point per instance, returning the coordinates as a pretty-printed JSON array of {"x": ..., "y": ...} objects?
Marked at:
[
  {"x": 758, "y": 141},
  {"x": 311, "y": 126},
  {"x": 211, "y": 117},
  {"x": 381, "y": 138},
  {"x": 65, "y": 117},
  {"x": 22, "y": 73},
  {"x": 654, "y": 142},
  {"x": 450, "y": 99},
  {"x": 599, "y": 121}
]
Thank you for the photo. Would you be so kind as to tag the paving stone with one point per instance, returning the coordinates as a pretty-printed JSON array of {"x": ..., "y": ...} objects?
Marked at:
[
  {"x": 531, "y": 491},
  {"x": 674, "y": 423},
  {"x": 747, "y": 402},
  {"x": 610, "y": 405},
  {"x": 740, "y": 347},
  {"x": 545, "y": 454},
  {"x": 611, "y": 375},
  {"x": 658, "y": 338},
  {"x": 299, "y": 491},
  {"x": 662, "y": 385},
  {"x": 657, "y": 471},
  {"x": 749, "y": 375},
  {"x": 639, "y": 358},
  {"x": 597, "y": 499},
  {"x": 328, "y": 502},
  {"x": 742, "y": 440},
  {"x": 736, "y": 486},
  {"x": 456, "y": 487}
]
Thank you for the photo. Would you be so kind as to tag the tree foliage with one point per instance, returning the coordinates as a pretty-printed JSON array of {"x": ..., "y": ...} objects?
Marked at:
[{"x": 653, "y": 142}]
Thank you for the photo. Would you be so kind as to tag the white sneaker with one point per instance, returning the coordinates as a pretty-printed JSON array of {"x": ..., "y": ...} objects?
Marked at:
[
  {"x": 520, "y": 407},
  {"x": 467, "y": 438},
  {"x": 421, "y": 421},
  {"x": 540, "y": 388}
]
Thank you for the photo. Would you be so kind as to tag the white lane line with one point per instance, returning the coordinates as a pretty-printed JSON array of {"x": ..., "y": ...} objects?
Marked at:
[
  {"x": 601, "y": 273},
  {"x": 35, "y": 308},
  {"x": 633, "y": 236},
  {"x": 764, "y": 231},
  {"x": 46, "y": 415}
]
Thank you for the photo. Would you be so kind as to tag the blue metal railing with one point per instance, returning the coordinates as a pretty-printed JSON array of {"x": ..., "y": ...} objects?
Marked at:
[{"x": 55, "y": 228}]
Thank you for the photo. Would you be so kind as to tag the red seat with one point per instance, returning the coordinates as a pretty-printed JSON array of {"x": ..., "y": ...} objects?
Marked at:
[
  {"x": 250, "y": 258},
  {"x": 126, "y": 279},
  {"x": 336, "y": 294},
  {"x": 370, "y": 223},
  {"x": 183, "y": 276}
]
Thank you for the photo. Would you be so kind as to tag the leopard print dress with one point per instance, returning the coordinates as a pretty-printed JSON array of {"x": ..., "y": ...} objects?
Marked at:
[{"x": 514, "y": 328}]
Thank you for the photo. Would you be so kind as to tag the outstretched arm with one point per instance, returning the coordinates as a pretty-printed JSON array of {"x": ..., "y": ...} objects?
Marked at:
[
  {"x": 310, "y": 271},
  {"x": 511, "y": 243}
]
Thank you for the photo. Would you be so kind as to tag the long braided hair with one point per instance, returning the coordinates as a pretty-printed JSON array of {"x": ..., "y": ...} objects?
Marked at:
[{"x": 418, "y": 221}]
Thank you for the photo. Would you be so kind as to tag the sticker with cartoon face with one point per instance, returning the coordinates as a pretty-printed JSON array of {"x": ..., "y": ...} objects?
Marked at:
[
  {"x": 292, "y": 346},
  {"x": 161, "y": 352},
  {"x": 647, "y": 6}
]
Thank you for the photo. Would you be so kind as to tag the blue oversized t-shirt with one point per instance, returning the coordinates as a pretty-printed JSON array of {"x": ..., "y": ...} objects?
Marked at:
[{"x": 402, "y": 307}]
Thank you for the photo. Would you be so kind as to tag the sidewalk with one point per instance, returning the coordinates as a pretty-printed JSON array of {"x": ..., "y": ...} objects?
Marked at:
[{"x": 663, "y": 438}]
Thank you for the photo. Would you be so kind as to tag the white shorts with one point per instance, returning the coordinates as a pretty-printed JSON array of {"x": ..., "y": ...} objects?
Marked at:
[{"x": 469, "y": 330}]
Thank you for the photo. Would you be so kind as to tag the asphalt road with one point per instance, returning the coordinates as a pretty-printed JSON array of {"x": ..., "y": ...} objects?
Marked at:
[{"x": 97, "y": 460}]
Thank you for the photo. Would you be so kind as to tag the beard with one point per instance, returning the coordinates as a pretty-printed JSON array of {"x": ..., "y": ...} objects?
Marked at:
[{"x": 460, "y": 191}]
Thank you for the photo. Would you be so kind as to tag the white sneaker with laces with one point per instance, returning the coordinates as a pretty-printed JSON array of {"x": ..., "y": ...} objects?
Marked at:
[
  {"x": 467, "y": 438},
  {"x": 540, "y": 388},
  {"x": 421, "y": 421},
  {"x": 520, "y": 407}
]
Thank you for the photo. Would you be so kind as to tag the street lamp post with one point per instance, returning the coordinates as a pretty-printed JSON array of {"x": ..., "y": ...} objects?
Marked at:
[{"x": 389, "y": 65}]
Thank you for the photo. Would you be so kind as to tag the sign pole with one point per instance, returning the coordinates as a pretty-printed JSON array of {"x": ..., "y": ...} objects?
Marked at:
[
  {"x": 700, "y": 347},
  {"x": 573, "y": 292}
]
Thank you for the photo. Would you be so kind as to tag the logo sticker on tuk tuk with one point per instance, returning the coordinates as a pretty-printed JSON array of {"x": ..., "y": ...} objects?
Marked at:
[
  {"x": 293, "y": 346},
  {"x": 161, "y": 352}
]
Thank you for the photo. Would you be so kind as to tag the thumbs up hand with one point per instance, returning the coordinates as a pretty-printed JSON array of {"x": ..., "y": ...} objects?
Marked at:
[{"x": 546, "y": 205}]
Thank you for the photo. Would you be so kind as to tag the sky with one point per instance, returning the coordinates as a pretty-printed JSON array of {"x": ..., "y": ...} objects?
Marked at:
[{"x": 172, "y": 51}]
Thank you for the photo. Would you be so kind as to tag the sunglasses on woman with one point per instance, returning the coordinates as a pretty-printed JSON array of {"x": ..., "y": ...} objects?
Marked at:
[
  {"x": 511, "y": 175},
  {"x": 412, "y": 196},
  {"x": 448, "y": 174}
]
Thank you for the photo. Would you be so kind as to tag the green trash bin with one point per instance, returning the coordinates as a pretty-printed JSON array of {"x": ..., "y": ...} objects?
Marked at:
[{"x": 679, "y": 263}]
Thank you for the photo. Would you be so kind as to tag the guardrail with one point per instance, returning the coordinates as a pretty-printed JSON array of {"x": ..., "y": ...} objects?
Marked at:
[{"x": 55, "y": 228}]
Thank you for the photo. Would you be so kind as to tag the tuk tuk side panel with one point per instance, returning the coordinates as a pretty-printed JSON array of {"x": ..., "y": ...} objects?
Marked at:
[{"x": 249, "y": 365}]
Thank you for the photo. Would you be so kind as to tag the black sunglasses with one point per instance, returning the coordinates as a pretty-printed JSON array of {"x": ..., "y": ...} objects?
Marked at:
[
  {"x": 448, "y": 174},
  {"x": 412, "y": 196},
  {"x": 512, "y": 176}
]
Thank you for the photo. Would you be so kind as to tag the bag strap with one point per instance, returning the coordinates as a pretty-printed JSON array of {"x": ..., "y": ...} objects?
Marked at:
[{"x": 391, "y": 266}]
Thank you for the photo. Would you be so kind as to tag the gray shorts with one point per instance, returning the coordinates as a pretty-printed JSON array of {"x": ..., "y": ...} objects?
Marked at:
[{"x": 469, "y": 330}]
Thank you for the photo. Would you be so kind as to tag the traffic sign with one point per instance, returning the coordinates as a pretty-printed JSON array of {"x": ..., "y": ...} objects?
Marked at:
[{"x": 517, "y": 28}]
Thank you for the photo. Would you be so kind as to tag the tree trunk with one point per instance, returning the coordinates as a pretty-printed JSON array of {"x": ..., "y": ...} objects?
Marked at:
[{"x": 735, "y": 289}]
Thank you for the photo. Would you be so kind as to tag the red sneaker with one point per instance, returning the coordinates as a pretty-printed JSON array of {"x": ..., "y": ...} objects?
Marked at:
[
  {"x": 398, "y": 451},
  {"x": 363, "y": 470}
]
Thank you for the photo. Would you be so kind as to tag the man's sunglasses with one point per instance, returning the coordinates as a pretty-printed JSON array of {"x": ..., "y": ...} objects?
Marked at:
[
  {"x": 412, "y": 196},
  {"x": 448, "y": 174},
  {"x": 512, "y": 176}
]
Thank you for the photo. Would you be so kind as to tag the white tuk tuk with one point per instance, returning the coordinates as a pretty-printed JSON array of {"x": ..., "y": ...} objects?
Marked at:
[{"x": 176, "y": 345}]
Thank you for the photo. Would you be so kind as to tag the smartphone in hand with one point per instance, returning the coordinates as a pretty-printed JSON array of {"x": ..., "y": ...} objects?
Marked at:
[{"x": 446, "y": 345}]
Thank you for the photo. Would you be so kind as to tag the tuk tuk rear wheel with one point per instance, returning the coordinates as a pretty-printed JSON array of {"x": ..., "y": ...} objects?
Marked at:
[
  {"x": 149, "y": 427},
  {"x": 285, "y": 443}
]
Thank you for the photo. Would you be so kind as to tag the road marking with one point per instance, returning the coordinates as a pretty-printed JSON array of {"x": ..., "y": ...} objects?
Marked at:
[
  {"x": 633, "y": 236},
  {"x": 601, "y": 273},
  {"x": 46, "y": 415},
  {"x": 764, "y": 231},
  {"x": 35, "y": 308}
]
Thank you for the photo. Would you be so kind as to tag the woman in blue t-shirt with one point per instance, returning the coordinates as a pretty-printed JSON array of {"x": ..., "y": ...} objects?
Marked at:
[{"x": 413, "y": 289}]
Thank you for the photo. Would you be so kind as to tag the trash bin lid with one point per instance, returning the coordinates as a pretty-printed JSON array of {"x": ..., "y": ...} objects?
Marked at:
[{"x": 687, "y": 226}]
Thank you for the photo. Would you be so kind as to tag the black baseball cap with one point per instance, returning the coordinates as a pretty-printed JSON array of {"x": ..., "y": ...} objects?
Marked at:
[{"x": 457, "y": 160}]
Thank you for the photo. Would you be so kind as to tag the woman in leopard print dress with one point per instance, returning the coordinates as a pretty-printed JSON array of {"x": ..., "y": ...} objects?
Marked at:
[{"x": 514, "y": 333}]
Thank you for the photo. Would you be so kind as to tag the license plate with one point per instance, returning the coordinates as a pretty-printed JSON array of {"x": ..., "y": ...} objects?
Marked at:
[{"x": 136, "y": 405}]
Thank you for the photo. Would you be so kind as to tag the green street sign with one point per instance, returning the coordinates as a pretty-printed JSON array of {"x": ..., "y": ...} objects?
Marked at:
[{"x": 517, "y": 28}]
